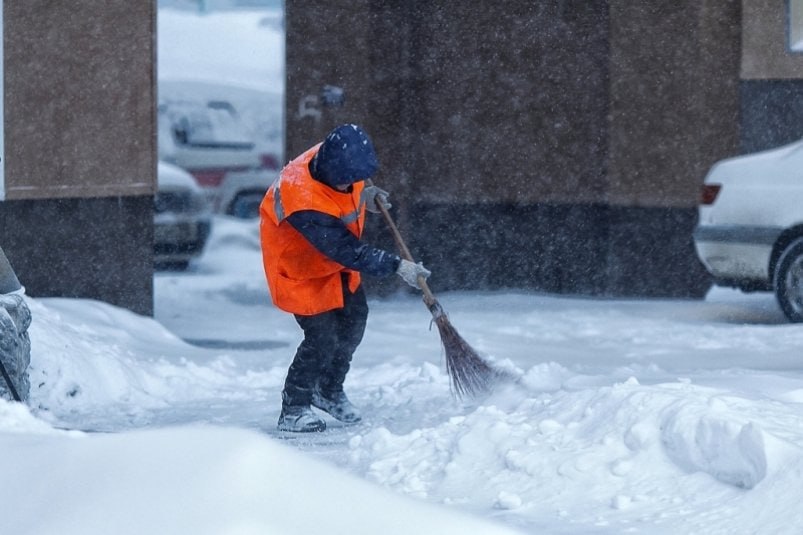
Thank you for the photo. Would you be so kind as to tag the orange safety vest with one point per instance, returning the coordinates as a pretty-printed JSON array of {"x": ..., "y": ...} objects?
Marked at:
[{"x": 300, "y": 278}]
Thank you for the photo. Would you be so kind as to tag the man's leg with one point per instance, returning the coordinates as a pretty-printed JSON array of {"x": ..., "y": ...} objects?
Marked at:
[
  {"x": 329, "y": 395},
  {"x": 351, "y": 321},
  {"x": 309, "y": 363}
]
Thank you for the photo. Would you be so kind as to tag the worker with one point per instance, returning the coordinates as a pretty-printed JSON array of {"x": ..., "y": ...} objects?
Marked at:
[{"x": 311, "y": 222}]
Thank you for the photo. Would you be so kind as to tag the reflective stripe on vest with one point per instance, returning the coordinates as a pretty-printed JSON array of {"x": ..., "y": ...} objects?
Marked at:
[
  {"x": 351, "y": 217},
  {"x": 278, "y": 208}
]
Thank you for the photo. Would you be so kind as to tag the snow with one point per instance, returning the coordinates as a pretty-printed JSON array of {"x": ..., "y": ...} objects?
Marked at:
[
  {"x": 239, "y": 48},
  {"x": 194, "y": 480},
  {"x": 657, "y": 416},
  {"x": 236, "y": 56}
]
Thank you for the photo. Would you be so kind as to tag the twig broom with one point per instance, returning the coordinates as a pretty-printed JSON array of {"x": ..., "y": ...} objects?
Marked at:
[{"x": 470, "y": 375}]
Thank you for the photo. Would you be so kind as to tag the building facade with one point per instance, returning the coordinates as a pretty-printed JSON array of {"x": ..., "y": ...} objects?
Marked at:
[
  {"x": 558, "y": 145},
  {"x": 771, "y": 74}
]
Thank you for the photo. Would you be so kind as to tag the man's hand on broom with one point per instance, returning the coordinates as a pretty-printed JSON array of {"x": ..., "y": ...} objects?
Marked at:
[
  {"x": 371, "y": 194},
  {"x": 410, "y": 271}
]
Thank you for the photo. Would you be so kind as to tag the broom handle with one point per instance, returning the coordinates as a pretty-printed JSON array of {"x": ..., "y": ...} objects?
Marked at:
[{"x": 429, "y": 297}]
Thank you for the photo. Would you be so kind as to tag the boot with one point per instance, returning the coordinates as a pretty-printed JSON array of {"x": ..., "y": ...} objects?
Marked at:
[
  {"x": 299, "y": 419},
  {"x": 338, "y": 405}
]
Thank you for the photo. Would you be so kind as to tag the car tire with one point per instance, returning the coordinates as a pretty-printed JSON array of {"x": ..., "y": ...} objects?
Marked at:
[{"x": 788, "y": 281}]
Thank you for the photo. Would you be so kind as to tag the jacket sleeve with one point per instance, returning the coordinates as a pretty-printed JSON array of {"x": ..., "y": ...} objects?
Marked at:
[{"x": 331, "y": 237}]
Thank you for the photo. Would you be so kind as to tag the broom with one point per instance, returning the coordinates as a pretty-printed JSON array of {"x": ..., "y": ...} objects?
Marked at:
[{"x": 469, "y": 374}]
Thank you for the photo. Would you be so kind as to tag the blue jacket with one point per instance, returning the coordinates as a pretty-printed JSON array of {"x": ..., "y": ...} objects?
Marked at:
[
  {"x": 346, "y": 156},
  {"x": 330, "y": 236}
]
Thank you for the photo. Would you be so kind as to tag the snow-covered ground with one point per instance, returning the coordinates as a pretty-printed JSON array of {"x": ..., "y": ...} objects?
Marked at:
[{"x": 660, "y": 416}]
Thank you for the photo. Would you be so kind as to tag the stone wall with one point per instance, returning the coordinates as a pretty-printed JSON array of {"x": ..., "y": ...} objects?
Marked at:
[
  {"x": 97, "y": 248},
  {"x": 80, "y": 148}
]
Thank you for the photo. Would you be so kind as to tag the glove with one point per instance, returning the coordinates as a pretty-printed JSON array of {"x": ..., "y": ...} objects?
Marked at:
[
  {"x": 410, "y": 271},
  {"x": 371, "y": 194}
]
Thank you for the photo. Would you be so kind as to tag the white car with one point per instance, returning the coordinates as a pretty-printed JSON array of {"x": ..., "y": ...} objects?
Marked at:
[
  {"x": 182, "y": 219},
  {"x": 207, "y": 139},
  {"x": 750, "y": 231},
  {"x": 212, "y": 142}
]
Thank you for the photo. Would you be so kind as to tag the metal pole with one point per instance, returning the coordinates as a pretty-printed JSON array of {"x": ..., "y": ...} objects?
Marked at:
[{"x": 9, "y": 383}]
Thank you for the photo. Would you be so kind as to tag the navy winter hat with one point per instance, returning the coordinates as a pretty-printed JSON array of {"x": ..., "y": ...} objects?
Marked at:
[{"x": 346, "y": 156}]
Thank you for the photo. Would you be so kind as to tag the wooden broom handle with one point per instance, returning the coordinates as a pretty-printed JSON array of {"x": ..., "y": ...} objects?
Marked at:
[{"x": 429, "y": 297}]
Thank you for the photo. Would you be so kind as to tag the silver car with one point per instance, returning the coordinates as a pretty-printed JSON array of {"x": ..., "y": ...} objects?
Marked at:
[{"x": 182, "y": 218}]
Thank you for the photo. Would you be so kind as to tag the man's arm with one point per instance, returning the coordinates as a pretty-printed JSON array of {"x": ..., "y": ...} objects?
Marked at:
[{"x": 330, "y": 236}]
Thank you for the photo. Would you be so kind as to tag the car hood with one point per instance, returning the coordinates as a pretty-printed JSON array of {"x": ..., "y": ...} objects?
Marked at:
[
  {"x": 782, "y": 164},
  {"x": 173, "y": 177}
]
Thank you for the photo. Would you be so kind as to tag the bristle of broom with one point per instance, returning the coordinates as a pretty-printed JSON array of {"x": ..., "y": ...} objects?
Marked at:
[{"x": 470, "y": 375}]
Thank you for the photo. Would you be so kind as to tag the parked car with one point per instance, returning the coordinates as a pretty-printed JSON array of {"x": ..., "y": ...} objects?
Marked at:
[
  {"x": 241, "y": 192},
  {"x": 182, "y": 220},
  {"x": 750, "y": 232},
  {"x": 211, "y": 142}
]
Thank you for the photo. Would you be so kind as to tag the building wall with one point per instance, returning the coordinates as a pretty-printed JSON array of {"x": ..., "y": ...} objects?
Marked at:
[
  {"x": 79, "y": 98},
  {"x": 772, "y": 113},
  {"x": 80, "y": 154},
  {"x": 456, "y": 97},
  {"x": 766, "y": 53},
  {"x": 772, "y": 78},
  {"x": 96, "y": 248},
  {"x": 549, "y": 145},
  {"x": 674, "y": 98},
  {"x": 674, "y": 112}
]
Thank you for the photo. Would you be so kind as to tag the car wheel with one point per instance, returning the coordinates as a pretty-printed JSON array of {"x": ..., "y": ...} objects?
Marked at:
[
  {"x": 788, "y": 281},
  {"x": 246, "y": 205}
]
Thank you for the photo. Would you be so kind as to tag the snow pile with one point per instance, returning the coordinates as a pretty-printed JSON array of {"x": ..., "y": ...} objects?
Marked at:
[
  {"x": 624, "y": 455},
  {"x": 104, "y": 368}
]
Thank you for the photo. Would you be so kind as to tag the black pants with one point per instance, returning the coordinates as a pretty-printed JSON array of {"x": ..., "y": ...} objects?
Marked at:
[{"x": 324, "y": 356}]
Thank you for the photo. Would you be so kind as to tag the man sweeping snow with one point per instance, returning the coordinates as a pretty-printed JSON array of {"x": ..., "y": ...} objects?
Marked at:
[{"x": 312, "y": 219}]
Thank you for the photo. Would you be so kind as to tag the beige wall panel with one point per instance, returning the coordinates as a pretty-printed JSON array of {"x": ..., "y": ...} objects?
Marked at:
[
  {"x": 515, "y": 102},
  {"x": 674, "y": 98},
  {"x": 80, "y": 98},
  {"x": 618, "y": 102},
  {"x": 765, "y": 42}
]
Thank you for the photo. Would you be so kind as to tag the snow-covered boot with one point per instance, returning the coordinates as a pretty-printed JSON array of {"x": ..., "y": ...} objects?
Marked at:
[
  {"x": 338, "y": 405},
  {"x": 299, "y": 419}
]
